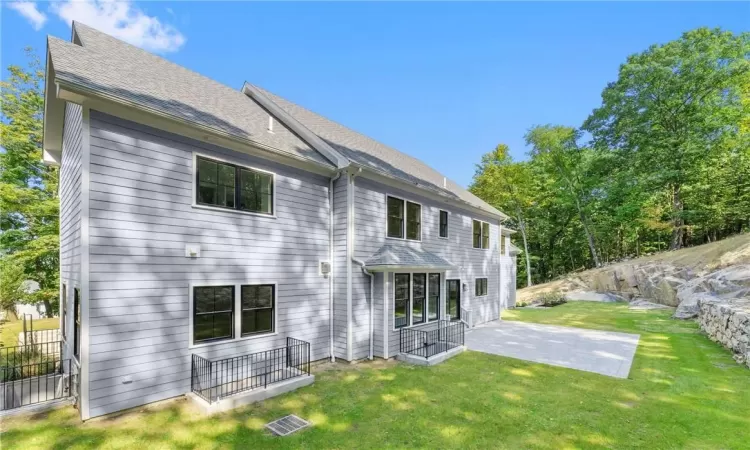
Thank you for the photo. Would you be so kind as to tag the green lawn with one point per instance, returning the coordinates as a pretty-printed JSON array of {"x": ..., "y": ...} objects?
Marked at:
[
  {"x": 684, "y": 392},
  {"x": 9, "y": 330}
]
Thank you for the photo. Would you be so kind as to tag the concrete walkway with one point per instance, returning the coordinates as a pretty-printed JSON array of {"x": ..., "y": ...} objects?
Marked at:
[{"x": 603, "y": 352}]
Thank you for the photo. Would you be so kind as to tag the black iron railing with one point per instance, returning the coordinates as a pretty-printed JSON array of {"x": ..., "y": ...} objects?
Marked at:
[
  {"x": 214, "y": 380},
  {"x": 32, "y": 374},
  {"x": 23, "y": 361},
  {"x": 431, "y": 339}
]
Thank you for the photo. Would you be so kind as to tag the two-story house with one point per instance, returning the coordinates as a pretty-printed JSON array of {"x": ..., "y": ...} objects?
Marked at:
[{"x": 203, "y": 225}]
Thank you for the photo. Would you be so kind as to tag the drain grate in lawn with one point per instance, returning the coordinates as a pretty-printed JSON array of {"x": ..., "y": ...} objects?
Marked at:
[{"x": 287, "y": 425}]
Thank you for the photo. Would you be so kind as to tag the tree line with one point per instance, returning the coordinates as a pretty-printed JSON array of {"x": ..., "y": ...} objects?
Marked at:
[{"x": 663, "y": 163}]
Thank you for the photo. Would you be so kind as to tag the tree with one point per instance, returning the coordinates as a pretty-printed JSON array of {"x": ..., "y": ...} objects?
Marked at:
[
  {"x": 29, "y": 206},
  {"x": 556, "y": 149},
  {"x": 671, "y": 109},
  {"x": 507, "y": 185}
]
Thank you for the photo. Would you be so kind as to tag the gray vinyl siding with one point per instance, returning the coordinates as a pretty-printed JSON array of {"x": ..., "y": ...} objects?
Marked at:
[
  {"x": 141, "y": 218},
  {"x": 370, "y": 219},
  {"x": 70, "y": 214},
  {"x": 340, "y": 217}
]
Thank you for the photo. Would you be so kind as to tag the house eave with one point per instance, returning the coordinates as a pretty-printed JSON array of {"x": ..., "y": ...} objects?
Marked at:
[
  {"x": 406, "y": 268},
  {"x": 69, "y": 90}
]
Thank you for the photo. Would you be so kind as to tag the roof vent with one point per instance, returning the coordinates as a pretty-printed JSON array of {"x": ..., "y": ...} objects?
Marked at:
[{"x": 270, "y": 124}]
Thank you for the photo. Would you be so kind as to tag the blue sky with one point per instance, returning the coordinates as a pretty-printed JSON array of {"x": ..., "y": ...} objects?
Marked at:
[{"x": 444, "y": 82}]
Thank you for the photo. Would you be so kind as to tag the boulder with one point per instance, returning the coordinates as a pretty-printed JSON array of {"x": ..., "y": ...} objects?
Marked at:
[
  {"x": 588, "y": 296},
  {"x": 665, "y": 292},
  {"x": 688, "y": 307}
]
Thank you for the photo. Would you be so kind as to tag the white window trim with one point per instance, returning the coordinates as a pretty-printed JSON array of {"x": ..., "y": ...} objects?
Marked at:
[
  {"x": 194, "y": 183},
  {"x": 64, "y": 331},
  {"x": 411, "y": 297},
  {"x": 447, "y": 224},
  {"x": 237, "y": 312},
  {"x": 489, "y": 241},
  {"x": 475, "y": 287},
  {"x": 403, "y": 227}
]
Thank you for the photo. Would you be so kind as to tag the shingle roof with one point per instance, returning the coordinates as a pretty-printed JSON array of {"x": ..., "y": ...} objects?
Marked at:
[
  {"x": 368, "y": 152},
  {"x": 116, "y": 68},
  {"x": 108, "y": 65},
  {"x": 398, "y": 255}
]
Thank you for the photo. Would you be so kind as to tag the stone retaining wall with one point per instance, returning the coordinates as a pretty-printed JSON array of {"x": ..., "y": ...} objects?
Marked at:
[{"x": 727, "y": 322}]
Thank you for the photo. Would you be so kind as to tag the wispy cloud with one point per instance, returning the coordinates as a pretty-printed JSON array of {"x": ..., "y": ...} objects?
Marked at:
[
  {"x": 29, "y": 10},
  {"x": 123, "y": 20}
]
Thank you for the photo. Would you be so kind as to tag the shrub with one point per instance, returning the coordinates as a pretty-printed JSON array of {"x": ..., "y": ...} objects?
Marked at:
[
  {"x": 551, "y": 299},
  {"x": 521, "y": 304}
]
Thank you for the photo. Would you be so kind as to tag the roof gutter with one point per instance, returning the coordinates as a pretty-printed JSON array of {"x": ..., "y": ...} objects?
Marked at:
[
  {"x": 501, "y": 216},
  {"x": 76, "y": 92}
]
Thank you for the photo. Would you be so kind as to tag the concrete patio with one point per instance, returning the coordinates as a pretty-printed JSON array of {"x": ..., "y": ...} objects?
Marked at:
[{"x": 604, "y": 352}]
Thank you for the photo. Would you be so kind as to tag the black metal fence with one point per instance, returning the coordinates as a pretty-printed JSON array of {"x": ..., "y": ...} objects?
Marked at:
[
  {"x": 32, "y": 374},
  {"x": 431, "y": 339},
  {"x": 214, "y": 380}
]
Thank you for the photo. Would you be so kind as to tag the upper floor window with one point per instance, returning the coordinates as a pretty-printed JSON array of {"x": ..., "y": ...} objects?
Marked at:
[
  {"x": 502, "y": 245},
  {"x": 481, "y": 234},
  {"x": 443, "y": 224},
  {"x": 226, "y": 185},
  {"x": 404, "y": 219}
]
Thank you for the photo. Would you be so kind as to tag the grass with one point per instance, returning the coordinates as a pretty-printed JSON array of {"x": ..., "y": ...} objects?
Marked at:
[
  {"x": 9, "y": 330},
  {"x": 684, "y": 392}
]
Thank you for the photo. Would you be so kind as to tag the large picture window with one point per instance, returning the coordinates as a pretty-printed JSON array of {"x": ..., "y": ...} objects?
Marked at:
[
  {"x": 76, "y": 322},
  {"x": 443, "y": 224},
  {"x": 433, "y": 301},
  {"x": 401, "y": 300},
  {"x": 213, "y": 313},
  {"x": 226, "y": 185},
  {"x": 480, "y": 287},
  {"x": 257, "y": 309},
  {"x": 404, "y": 219},
  {"x": 480, "y": 234}
]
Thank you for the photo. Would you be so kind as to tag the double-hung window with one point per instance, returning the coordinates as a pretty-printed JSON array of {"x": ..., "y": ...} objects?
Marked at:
[
  {"x": 404, "y": 219},
  {"x": 257, "y": 309},
  {"x": 480, "y": 287},
  {"x": 401, "y": 300},
  {"x": 433, "y": 299},
  {"x": 224, "y": 185},
  {"x": 419, "y": 291},
  {"x": 213, "y": 313},
  {"x": 76, "y": 322},
  {"x": 443, "y": 224},
  {"x": 480, "y": 234}
]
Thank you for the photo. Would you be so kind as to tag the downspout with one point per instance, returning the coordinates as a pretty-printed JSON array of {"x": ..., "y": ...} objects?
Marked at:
[
  {"x": 372, "y": 307},
  {"x": 330, "y": 259},
  {"x": 349, "y": 257}
]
